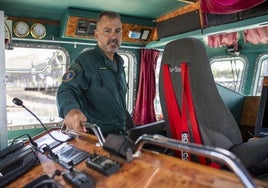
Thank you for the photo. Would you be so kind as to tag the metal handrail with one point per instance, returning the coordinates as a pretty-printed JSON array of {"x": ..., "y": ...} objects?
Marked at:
[
  {"x": 97, "y": 132},
  {"x": 219, "y": 154}
]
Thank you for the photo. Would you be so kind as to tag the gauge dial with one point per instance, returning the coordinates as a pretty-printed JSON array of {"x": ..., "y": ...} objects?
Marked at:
[
  {"x": 21, "y": 29},
  {"x": 38, "y": 31}
]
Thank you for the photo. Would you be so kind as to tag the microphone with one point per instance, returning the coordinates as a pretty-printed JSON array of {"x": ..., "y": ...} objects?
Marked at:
[{"x": 19, "y": 102}]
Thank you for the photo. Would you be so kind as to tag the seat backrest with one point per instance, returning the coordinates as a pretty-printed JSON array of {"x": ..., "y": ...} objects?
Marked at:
[{"x": 216, "y": 123}]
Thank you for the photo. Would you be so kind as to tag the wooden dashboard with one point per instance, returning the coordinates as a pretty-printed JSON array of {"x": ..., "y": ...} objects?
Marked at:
[{"x": 150, "y": 169}]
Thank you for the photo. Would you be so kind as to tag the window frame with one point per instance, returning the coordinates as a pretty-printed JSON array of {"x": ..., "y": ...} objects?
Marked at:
[
  {"x": 50, "y": 121},
  {"x": 131, "y": 78},
  {"x": 229, "y": 58},
  {"x": 258, "y": 78}
]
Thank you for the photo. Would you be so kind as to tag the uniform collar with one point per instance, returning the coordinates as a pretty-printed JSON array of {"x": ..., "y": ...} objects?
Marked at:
[{"x": 119, "y": 60}]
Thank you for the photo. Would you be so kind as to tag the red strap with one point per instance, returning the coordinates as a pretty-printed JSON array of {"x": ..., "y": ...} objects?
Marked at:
[
  {"x": 178, "y": 120},
  {"x": 173, "y": 110},
  {"x": 188, "y": 103},
  {"x": 178, "y": 127}
]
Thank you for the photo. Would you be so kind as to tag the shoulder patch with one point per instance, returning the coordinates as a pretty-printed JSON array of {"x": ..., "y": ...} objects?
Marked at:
[{"x": 68, "y": 76}]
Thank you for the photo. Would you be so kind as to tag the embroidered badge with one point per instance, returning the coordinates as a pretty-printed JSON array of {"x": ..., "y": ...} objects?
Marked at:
[
  {"x": 103, "y": 68},
  {"x": 69, "y": 75}
]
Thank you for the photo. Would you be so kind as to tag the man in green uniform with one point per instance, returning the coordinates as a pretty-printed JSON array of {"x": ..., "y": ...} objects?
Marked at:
[{"x": 93, "y": 89}]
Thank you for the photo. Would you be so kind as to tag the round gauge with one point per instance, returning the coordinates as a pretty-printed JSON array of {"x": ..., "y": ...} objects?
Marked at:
[
  {"x": 21, "y": 29},
  {"x": 38, "y": 31}
]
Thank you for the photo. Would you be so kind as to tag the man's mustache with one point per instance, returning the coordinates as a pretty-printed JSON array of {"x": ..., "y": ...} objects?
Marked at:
[{"x": 113, "y": 41}]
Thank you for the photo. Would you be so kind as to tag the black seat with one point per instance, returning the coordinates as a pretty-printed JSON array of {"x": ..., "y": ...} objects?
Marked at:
[{"x": 217, "y": 125}]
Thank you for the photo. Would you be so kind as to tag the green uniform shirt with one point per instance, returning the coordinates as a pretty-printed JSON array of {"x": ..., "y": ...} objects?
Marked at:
[{"x": 98, "y": 88}]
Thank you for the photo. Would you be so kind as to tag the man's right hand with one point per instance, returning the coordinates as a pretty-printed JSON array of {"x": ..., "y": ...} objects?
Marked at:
[{"x": 74, "y": 120}]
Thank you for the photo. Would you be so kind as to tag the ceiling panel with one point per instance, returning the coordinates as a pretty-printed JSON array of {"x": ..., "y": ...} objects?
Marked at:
[{"x": 53, "y": 9}]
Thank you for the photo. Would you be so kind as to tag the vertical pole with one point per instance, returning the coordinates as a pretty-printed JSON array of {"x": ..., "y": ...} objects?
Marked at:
[{"x": 3, "y": 115}]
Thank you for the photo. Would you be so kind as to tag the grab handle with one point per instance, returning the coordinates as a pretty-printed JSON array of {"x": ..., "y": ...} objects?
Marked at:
[{"x": 219, "y": 154}]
